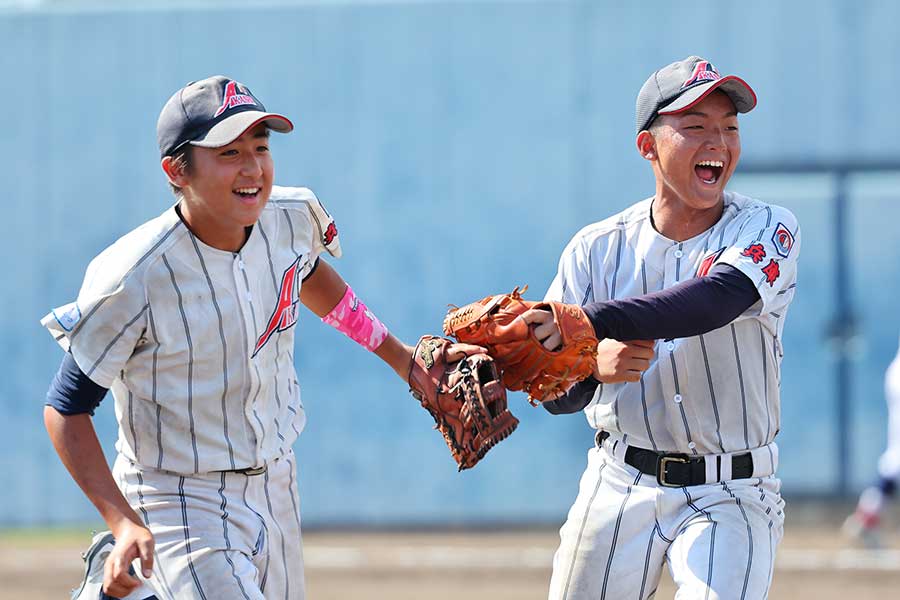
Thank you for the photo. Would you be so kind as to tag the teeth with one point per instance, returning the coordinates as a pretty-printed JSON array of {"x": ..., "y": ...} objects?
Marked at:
[
  {"x": 711, "y": 163},
  {"x": 247, "y": 190}
]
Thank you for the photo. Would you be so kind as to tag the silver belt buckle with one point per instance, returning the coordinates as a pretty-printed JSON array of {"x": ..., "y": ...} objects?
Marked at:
[
  {"x": 253, "y": 471},
  {"x": 661, "y": 470}
]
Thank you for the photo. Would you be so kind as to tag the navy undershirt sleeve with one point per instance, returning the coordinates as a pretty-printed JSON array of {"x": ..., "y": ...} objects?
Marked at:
[
  {"x": 575, "y": 399},
  {"x": 684, "y": 310},
  {"x": 72, "y": 392}
]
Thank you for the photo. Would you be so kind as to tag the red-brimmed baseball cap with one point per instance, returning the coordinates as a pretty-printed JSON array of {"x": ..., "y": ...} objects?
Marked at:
[
  {"x": 681, "y": 85},
  {"x": 212, "y": 113}
]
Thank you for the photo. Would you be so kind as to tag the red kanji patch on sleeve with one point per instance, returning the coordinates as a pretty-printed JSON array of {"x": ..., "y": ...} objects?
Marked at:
[
  {"x": 756, "y": 252},
  {"x": 772, "y": 272}
]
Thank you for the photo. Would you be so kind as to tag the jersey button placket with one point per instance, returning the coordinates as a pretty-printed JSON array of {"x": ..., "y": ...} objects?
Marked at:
[
  {"x": 674, "y": 266},
  {"x": 244, "y": 301},
  {"x": 671, "y": 391},
  {"x": 240, "y": 264}
]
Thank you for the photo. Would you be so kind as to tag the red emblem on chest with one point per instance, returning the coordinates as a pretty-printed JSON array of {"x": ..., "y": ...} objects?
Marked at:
[
  {"x": 708, "y": 261},
  {"x": 756, "y": 252},
  {"x": 772, "y": 272},
  {"x": 285, "y": 314}
]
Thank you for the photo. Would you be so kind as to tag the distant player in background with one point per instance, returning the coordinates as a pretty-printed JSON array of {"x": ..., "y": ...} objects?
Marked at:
[{"x": 864, "y": 522}]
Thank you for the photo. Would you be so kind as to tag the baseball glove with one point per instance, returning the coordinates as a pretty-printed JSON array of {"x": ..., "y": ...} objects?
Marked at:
[
  {"x": 524, "y": 362},
  {"x": 465, "y": 398}
]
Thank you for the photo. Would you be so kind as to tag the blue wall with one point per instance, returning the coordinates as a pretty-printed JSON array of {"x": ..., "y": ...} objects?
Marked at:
[{"x": 410, "y": 115}]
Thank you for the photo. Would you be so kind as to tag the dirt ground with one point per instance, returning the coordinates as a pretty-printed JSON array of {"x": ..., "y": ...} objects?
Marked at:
[{"x": 814, "y": 561}]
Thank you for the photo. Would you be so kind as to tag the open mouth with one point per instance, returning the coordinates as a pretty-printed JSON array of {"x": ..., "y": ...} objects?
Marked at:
[
  {"x": 709, "y": 171},
  {"x": 248, "y": 194}
]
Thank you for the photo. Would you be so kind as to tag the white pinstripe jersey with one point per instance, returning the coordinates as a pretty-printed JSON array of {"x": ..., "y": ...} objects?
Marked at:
[
  {"x": 196, "y": 343},
  {"x": 709, "y": 394}
]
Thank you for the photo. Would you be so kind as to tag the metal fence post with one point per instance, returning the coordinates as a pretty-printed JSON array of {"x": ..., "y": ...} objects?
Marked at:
[{"x": 842, "y": 331}]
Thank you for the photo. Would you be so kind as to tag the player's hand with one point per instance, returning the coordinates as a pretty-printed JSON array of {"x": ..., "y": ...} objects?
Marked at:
[
  {"x": 458, "y": 351},
  {"x": 455, "y": 352},
  {"x": 618, "y": 362},
  {"x": 545, "y": 328},
  {"x": 132, "y": 541}
]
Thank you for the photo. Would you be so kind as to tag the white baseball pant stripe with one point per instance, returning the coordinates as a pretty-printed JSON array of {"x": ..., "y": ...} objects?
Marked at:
[
  {"x": 718, "y": 539},
  {"x": 223, "y": 535}
]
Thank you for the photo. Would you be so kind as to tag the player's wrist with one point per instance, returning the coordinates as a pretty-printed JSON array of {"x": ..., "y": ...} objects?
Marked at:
[
  {"x": 121, "y": 521},
  {"x": 396, "y": 354}
]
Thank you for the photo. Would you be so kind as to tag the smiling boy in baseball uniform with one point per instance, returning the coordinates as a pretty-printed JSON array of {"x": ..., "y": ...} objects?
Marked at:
[
  {"x": 688, "y": 292},
  {"x": 189, "y": 319}
]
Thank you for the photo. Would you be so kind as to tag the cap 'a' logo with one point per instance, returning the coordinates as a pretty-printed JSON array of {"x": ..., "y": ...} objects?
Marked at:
[
  {"x": 235, "y": 96},
  {"x": 703, "y": 71}
]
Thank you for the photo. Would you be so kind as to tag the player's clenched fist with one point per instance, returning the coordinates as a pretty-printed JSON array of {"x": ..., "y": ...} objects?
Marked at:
[{"x": 618, "y": 362}]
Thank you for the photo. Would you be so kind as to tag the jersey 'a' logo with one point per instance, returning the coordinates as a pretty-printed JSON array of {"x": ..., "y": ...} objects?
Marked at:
[
  {"x": 285, "y": 314},
  {"x": 234, "y": 96},
  {"x": 330, "y": 233},
  {"x": 703, "y": 71}
]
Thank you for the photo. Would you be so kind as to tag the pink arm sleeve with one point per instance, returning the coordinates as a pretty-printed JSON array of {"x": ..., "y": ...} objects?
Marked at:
[{"x": 353, "y": 318}]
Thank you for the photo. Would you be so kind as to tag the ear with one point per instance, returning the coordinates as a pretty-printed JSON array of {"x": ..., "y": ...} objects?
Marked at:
[
  {"x": 646, "y": 145},
  {"x": 174, "y": 171}
]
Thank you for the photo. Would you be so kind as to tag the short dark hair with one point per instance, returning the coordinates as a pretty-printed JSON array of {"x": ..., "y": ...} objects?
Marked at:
[{"x": 183, "y": 159}]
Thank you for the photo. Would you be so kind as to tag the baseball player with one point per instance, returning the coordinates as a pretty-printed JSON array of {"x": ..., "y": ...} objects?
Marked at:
[
  {"x": 865, "y": 521},
  {"x": 688, "y": 292},
  {"x": 189, "y": 319}
]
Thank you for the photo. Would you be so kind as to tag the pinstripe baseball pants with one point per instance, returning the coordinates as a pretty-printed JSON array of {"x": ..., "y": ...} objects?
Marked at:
[
  {"x": 222, "y": 535},
  {"x": 719, "y": 539}
]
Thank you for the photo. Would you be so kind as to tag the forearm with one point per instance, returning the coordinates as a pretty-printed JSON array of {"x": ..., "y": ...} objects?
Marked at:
[
  {"x": 77, "y": 445},
  {"x": 575, "y": 399},
  {"x": 327, "y": 295}
]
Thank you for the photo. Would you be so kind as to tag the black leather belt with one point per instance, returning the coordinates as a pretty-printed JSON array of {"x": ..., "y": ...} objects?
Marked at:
[{"x": 679, "y": 470}]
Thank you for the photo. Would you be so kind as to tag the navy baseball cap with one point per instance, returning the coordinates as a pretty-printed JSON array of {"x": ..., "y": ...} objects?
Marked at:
[
  {"x": 681, "y": 85},
  {"x": 212, "y": 113}
]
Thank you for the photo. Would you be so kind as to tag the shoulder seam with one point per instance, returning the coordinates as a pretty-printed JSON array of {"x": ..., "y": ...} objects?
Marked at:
[
  {"x": 608, "y": 226},
  {"x": 147, "y": 255}
]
